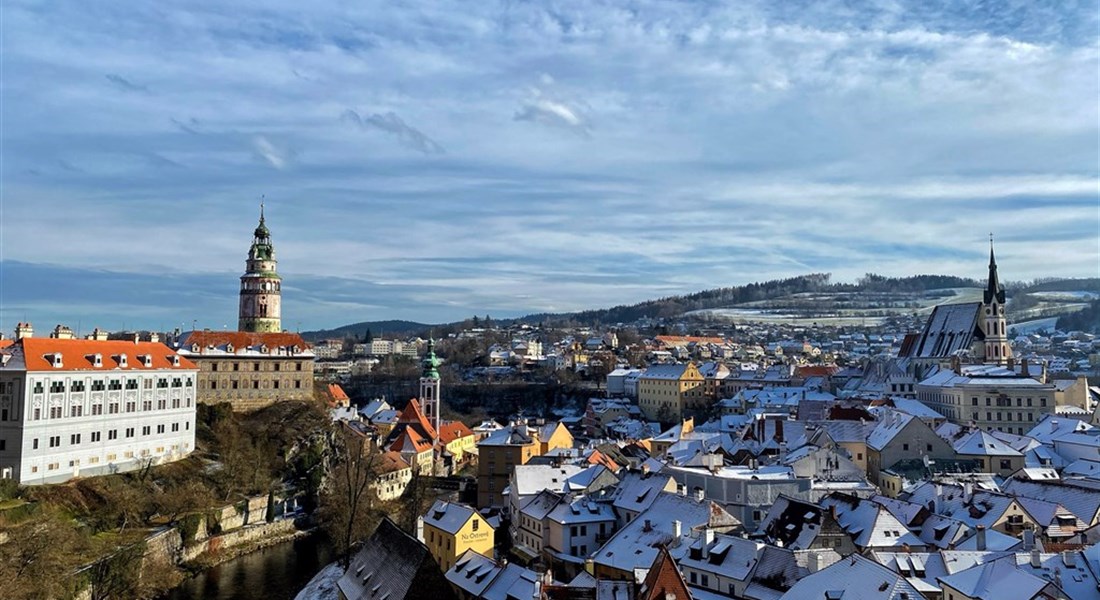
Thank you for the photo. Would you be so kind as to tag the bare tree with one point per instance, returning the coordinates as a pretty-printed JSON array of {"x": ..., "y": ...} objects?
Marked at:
[{"x": 347, "y": 499}]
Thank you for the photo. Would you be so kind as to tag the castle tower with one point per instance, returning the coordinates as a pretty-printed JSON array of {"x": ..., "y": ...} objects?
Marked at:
[
  {"x": 429, "y": 386},
  {"x": 260, "y": 308},
  {"x": 997, "y": 350}
]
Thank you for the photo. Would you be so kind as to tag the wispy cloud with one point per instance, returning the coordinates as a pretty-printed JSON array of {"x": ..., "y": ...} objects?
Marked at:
[
  {"x": 391, "y": 123},
  {"x": 544, "y": 107},
  {"x": 275, "y": 154},
  {"x": 125, "y": 84}
]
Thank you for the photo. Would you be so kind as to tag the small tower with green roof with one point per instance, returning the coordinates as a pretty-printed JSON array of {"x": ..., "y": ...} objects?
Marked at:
[
  {"x": 261, "y": 295},
  {"x": 429, "y": 386}
]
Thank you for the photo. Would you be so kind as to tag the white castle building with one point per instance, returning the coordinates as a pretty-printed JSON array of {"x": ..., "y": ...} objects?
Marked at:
[{"x": 71, "y": 407}]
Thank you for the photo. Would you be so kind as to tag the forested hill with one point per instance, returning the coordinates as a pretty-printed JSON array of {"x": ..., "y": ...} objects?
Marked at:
[
  {"x": 359, "y": 330},
  {"x": 673, "y": 306}
]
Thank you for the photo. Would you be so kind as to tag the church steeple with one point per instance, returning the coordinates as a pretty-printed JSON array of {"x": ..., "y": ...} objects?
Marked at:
[
  {"x": 429, "y": 386},
  {"x": 993, "y": 289},
  {"x": 997, "y": 349},
  {"x": 261, "y": 287}
]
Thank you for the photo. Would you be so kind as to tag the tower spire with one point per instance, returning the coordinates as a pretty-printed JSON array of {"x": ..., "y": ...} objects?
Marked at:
[{"x": 993, "y": 290}]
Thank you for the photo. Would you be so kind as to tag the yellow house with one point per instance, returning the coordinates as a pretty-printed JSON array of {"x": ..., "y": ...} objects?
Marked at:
[
  {"x": 459, "y": 440},
  {"x": 553, "y": 436},
  {"x": 449, "y": 529},
  {"x": 665, "y": 392}
]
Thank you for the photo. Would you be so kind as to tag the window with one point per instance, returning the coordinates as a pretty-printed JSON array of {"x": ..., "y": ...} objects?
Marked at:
[
  {"x": 905, "y": 447},
  {"x": 162, "y": 383},
  {"x": 97, "y": 409},
  {"x": 129, "y": 432},
  {"x": 974, "y": 401},
  {"x": 928, "y": 447},
  {"x": 131, "y": 384},
  {"x": 78, "y": 386},
  {"x": 176, "y": 427},
  {"x": 112, "y": 434},
  {"x": 255, "y": 385},
  {"x": 236, "y": 366},
  {"x": 146, "y": 405},
  {"x": 74, "y": 439},
  {"x": 98, "y": 385},
  {"x": 34, "y": 444},
  {"x": 57, "y": 387},
  {"x": 1006, "y": 464},
  {"x": 145, "y": 429},
  {"x": 3, "y": 445},
  {"x": 131, "y": 406},
  {"x": 4, "y": 415},
  {"x": 114, "y": 385},
  {"x": 96, "y": 436},
  {"x": 474, "y": 526},
  {"x": 160, "y": 428},
  {"x": 55, "y": 412},
  {"x": 76, "y": 410},
  {"x": 55, "y": 441},
  {"x": 38, "y": 389}
]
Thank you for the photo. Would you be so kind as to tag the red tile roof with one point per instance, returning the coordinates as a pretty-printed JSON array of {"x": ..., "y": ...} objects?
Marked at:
[
  {"x": 816, "y": 371},
  {"x": 452, "y": 430},
  {"x": 412, "y": 415},
  {"x": 241, "y": 339},
  {"x": 390, "y": 462},
  {"x": 78, "y": 355},
  {"x": 337, "y": 395},
  {"x": 410, "y": 440}
]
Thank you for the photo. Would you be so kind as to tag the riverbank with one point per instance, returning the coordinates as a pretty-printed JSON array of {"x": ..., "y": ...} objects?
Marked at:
[{"x": 273, "y": 572}]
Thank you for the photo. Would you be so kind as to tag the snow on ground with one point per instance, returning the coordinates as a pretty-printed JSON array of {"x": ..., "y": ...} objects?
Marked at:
[
  {"x": 1077, "y": 295},
  {"x": 323, "y": 584}
]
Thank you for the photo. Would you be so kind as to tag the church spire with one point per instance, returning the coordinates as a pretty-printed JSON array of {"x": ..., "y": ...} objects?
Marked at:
[{"x": 993, "y": 290}]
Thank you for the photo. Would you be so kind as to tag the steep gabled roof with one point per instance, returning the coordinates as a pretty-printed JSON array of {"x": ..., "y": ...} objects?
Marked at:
[{"x": 950, "y": 328}]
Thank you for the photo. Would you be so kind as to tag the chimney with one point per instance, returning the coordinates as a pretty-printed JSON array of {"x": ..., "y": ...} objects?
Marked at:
[
  {"x": 1029, "y": 540},
  {"x": 980, "y": 538},
  {"x": 1023, "y": 368},
  {"x": 708, "y": 539},
  {"x": 648, "y": 526},
  {"x": 1036, "y": 559},
  {"x": 1043, "y": 374},
  {"x": 814, "y": 562},
  {"x": 23, "y": 330},
  {"x": 681, "y": 489},
  {"x": 779, "y": 429},
  {"x": 677, "y": 531},
  {"x": 1069, "y": 558},
  {"x": 420, "y": 528},
  {"x": 154, "y": 337},
  {"x": 589, "y": 566},
  {"x": 699, "y": 495}
]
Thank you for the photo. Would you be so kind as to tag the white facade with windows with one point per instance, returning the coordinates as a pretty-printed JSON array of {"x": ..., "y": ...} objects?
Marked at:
[{"x": 72, "y": 408}]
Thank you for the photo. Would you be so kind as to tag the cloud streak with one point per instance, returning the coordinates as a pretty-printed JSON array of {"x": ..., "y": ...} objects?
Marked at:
[
  {"x": 124, "y": 84},
  {"x": 390, "y": 123}
]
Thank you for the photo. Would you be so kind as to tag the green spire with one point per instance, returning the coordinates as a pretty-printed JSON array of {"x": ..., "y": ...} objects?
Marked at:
[{"x": 431, "y": 363}]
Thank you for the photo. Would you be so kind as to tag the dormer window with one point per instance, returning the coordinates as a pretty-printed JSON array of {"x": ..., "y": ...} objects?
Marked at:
[
  {"x": 96, "y": 360},
  {"x": 122, "y": 362},
  {"x": 147, "y": 360},
  {"x": 195, "y": 348},
  {"x": 264, "y": 349},
  {"x": 55, "y": 360},
  {"x": 229, "y": 348},
  {"x": 175, "y": 360}
]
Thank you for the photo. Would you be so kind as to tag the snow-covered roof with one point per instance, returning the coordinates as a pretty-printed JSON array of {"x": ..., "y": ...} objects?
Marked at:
[
  {"x": 856, "y": 577},
  {"x": 980, "y": 443},
  {"x": 448, "y": 516}
]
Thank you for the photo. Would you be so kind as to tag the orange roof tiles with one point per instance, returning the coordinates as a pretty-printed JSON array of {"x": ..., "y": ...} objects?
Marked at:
[
  {"x": 242, "y": 339},
  {"x": 410, "y": 440},
  {"x": 391, "y": 461},
  {"x": 78, "y": 355},
  {"x": 337, "y": 395},
  {"x": 6, "y": 343},
  {"x": 674, "y": 340},
  {"x": 453, "y": 430},
  {"x": 412, "y": 415},
  {"x": 816, "y": 370}
]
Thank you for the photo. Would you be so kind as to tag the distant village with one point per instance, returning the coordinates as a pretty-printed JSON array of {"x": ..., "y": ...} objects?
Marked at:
[{"x": 946, "y": 458}]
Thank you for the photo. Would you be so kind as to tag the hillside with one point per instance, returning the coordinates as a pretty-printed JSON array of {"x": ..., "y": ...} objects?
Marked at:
[
  {"x": 801, "y": 300},
  {"x": 377, "y": 329}
]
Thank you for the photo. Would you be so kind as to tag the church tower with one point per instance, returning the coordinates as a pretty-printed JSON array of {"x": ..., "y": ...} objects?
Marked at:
[
  {"x": 429, "y": 386},
  {"x": 260, "y": 308},
  {"x": 997, "y": 350}
]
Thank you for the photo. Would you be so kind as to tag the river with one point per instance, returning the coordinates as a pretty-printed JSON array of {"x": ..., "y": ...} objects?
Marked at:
[{"x": 273, "y": 573}]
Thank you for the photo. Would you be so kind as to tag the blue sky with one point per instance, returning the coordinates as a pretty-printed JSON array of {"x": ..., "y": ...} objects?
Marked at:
[{"x": 430, "y": 161}]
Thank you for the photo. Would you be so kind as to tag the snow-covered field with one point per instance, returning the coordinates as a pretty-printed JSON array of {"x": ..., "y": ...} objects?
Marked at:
[
  {"x": 1079, "y": 296},
  {"x": 1029, "y": 327},
  {"x": 323, "y": 584}
]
